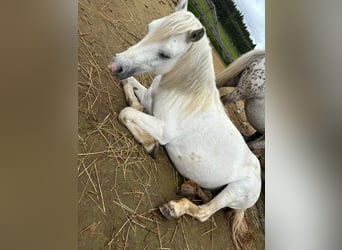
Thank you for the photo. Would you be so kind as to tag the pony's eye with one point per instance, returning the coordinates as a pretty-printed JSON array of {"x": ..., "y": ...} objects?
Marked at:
[{"x": 163, "y": 55}]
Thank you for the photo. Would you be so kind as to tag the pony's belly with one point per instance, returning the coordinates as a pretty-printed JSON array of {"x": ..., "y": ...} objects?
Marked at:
[
  {"x": 210, "y": 151},
  {"x": 198, "y": 168}
]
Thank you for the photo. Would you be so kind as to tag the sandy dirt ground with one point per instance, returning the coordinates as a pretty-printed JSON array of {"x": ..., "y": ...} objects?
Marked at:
[{"x": 120, "y": 186}]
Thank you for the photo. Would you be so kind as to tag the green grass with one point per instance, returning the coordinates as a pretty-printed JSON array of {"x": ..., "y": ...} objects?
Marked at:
[{"x": 223, "y": 35}]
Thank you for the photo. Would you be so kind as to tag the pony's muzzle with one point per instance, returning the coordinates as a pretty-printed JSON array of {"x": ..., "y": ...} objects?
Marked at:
[
  {"x": 115, "y": 69},
  {"x": 120, "y": 71}
]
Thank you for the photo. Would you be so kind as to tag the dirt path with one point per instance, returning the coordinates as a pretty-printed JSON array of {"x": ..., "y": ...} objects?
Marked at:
[{"x": 120, "y": 186}]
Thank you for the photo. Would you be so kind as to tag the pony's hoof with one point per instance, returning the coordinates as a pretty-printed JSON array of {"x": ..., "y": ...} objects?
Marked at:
[
  {"x": 188, "y": 189},
  {"x": 137, "y": 106},
  {"x": 153, "y": 152},
  {"x": 134, "y": 104},
  {"x": 191, "y": 189},
  {"x": 168, "y": 212}
]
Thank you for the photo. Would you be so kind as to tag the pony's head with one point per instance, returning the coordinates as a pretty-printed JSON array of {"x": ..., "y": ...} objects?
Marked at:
[{"x": 167, "y": 39}]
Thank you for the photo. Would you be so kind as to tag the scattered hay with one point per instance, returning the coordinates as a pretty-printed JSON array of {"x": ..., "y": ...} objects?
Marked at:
[{"x": 120, "y": 186}]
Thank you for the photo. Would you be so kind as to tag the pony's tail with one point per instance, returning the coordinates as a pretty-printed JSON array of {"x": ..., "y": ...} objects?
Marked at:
[
  {"x": 241, "y": 235},
  {"x": 236, "y": 67}
]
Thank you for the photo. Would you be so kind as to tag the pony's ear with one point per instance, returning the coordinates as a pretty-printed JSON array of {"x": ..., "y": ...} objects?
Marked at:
[
  {"x": 182, "y": 5},
  {"x": 196, "y": 35}
]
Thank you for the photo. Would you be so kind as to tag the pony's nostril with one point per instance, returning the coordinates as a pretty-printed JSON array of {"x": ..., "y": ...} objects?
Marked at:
[{"x": 119, "y": 70}]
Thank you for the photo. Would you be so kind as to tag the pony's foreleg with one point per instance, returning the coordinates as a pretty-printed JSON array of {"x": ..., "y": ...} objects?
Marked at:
[
  {"x": 147, "y": 141},
  {"x": 146, "y": 129},
  {"x": 134, "y": 93}
]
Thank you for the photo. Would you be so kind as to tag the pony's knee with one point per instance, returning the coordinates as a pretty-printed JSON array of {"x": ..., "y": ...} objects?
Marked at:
[{"x": 126, "y": 114}]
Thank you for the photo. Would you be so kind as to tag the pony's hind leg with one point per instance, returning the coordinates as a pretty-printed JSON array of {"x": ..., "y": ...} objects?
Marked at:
[{"x": 237, "y": 195}]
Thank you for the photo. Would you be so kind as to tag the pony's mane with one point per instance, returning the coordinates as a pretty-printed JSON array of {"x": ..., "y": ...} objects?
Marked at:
[
  {"x": 193, "y": 76},
  {"x": 174, "y": 24}
]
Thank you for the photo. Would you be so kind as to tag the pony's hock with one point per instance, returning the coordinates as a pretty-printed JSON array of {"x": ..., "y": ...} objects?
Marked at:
[{"x": 183, "y": 112}]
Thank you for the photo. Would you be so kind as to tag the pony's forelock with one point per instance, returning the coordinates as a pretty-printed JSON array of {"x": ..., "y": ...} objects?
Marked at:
[{"x": 174, "y": 24}]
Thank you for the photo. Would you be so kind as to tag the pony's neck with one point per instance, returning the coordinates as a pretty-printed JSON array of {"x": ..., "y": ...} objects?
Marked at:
[{"x": 193, "y": 78}]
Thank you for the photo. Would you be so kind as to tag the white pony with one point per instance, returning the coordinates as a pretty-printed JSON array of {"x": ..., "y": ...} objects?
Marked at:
[
  {"x": 185, "y": 114},
  {"x": 247, "y": 74}
]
